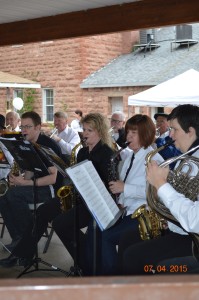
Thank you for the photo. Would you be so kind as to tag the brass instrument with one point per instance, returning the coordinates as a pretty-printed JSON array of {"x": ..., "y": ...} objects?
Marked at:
[
  {"x": 4, "y": 184},
  {"x": 151, "y": 224},
  {"x": 55, "y": 131},
  {"x": 182, "y": 182},
  {"x": 66, "y": 192}
]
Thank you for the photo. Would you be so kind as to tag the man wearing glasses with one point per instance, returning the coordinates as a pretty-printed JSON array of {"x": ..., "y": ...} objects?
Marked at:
[
  {"x": 117, "y": 125},
  {"x": 14, "y": 205}
]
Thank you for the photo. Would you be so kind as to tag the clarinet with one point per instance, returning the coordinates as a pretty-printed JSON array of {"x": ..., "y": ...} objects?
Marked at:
[{"x": 113, "y": 170}]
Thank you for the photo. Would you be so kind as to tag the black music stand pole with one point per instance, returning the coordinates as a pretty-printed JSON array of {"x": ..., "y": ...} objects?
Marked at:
[
  {"x": 29, "y": 158},
  {"x": 75, "y": 270},
  {"x": 37, "y": 260},
  {"x": 61, "y": 167}
]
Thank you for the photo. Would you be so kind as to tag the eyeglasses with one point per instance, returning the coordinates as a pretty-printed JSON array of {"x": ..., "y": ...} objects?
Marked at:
[
  {"x": 25, "y": 127},
  {"x": 115, "y": 121}
]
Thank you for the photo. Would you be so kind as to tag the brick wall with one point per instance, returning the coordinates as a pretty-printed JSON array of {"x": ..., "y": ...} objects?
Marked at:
[{"x": 63, "y": 64}]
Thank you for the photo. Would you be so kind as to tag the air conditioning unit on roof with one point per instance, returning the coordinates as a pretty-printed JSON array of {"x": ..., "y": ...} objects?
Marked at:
[
  {"x": 184, "y": 32},
  {"x": 147, "y": 36}
]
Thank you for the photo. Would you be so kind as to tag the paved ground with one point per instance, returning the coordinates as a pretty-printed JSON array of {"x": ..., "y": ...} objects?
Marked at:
[{"x": 56, "y": 255}]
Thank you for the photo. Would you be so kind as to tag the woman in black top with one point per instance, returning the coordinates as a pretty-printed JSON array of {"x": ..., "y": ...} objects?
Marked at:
[{"x": 98, "y": 150}]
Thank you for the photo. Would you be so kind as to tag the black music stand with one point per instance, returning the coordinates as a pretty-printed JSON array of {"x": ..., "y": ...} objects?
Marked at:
[
  {"x": 27, "y": 157},
  {"x": 61, "y": 166}
]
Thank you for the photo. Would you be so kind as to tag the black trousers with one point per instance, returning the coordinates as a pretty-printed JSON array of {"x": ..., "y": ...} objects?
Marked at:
[
  {"x": 140, "y": 257},
  {"x": 45, "y": 213},
  {"x": 68, "y": 228}
]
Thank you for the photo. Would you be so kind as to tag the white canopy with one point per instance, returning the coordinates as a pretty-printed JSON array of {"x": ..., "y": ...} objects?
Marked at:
[{"x": 182, "y": 89}]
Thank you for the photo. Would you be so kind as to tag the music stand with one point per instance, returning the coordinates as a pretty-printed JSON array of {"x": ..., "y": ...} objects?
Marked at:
[
  {"x": 27, "y": 157},
  {"x": 61, "y": 166}
]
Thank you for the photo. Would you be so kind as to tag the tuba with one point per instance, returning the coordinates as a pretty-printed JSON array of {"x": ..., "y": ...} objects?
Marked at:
[{"x": 184, "y": 183}]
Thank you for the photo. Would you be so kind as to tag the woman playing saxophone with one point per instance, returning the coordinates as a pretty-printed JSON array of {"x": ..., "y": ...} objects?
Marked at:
[
  {"x": 184, "y": 123},
  {"x": 140, "y": 133}
]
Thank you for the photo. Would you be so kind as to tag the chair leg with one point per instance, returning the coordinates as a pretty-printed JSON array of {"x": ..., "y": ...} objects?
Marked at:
[
  {"x": 48, "y": 240},
  {"x": 2, "y": 230}
]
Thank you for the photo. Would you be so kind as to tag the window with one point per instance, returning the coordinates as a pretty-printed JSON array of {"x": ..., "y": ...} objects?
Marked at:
[
  {"x": 48, "y": 105},
  {"x": 116, "y": 103},
  {"x": 16, "y": 93}
]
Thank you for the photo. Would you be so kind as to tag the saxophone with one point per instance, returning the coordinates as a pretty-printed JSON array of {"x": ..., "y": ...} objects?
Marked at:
[
  {"x": 66, "y": 193},
  {"x": 151, "y": 223}
]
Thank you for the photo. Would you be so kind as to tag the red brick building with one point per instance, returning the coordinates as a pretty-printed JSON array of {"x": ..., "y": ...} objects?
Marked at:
[{"x": 60, "y": 66}]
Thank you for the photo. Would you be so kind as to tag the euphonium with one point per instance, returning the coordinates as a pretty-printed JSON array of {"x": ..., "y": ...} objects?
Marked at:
[{"x": 151, "y": 224}]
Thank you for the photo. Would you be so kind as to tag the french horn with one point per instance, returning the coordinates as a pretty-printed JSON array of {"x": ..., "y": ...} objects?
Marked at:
[{"x": 183, "y": 181}]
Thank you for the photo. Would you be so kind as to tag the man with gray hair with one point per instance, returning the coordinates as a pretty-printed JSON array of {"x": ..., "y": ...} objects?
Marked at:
[
  {"x": 117, "y": 124},
  {"x": 66, "y": 137},
  {"x": 12, "y": 121}
]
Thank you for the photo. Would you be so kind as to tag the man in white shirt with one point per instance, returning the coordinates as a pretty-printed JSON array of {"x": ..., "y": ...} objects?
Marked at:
[
  {"x": 67, "y": 138},
  {"x": 145, "y": 256},
  {"x": 12, "y": 121},
  {"x": 76, "y": 123}
]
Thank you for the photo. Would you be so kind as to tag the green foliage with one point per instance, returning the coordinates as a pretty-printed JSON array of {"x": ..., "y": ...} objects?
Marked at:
[
  {"x": 29, "y": 94},
  {"x": 64, "y": 106},
  {"x": 29, "y": 100}
]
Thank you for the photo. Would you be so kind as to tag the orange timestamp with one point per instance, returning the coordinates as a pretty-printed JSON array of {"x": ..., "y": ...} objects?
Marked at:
[{"x": 165, "y": 269}]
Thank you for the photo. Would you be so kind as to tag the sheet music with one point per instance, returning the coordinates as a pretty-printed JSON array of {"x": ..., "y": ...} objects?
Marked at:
[{"x": 95, "y": 194}]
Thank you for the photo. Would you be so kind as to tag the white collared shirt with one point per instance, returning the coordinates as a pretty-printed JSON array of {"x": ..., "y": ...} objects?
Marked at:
[
  {"x": 134, "y": 194},
  {"x": 182, "y": 208},
  {"x": 69, "y": 138}
]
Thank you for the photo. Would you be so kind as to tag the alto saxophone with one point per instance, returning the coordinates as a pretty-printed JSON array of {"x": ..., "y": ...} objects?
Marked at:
[
  {"x": 66, "y": 193},
  {"x": 151, "y": 224}
]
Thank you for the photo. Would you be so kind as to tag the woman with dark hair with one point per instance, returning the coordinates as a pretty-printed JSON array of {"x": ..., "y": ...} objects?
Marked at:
[
  {"x": 140, "y": 133},
  {"x": 76, "y": 124},
  {"x": 159, "y": 255}
]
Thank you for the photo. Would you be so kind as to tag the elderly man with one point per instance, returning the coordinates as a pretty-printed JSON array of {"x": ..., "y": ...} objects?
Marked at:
[
  {"x": 162, "y": 124},
  {"x": 13, "y": 120},
  {"x": 117, "y": 124},
  {"x": 66, "y": 137}
]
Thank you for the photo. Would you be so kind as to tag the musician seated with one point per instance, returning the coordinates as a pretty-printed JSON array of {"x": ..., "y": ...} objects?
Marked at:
[
  {"x": 99, "y": 151},
  {"x": 13, "y": 121},
  {"x": 137, "y": 256},
  {"x": 76, "y": 123},
  {"x": 66, "y": 137},
  {"x": 6, "y": 159},
  {"x": 14, "y": 206},
  {"x": 117, "y": 125},
  {"x": 140, "y": 133},
  {"x": 162, "y": 126}
]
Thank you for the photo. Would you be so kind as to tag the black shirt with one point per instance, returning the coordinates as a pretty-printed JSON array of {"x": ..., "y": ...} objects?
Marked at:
[
  {"x": 100, "y": 156},
  {"x": 46, "y": 141}
]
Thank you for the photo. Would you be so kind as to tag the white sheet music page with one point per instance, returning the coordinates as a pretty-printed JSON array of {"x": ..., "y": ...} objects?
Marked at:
[{"x": 94, "y": 193}]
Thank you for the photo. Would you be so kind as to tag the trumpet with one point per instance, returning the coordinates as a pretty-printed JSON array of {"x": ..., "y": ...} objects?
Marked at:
[{"x": 55, "y": 131}]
